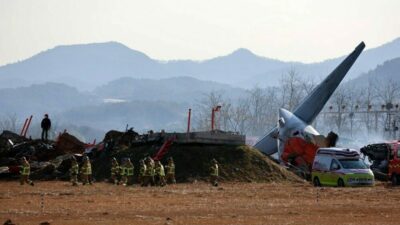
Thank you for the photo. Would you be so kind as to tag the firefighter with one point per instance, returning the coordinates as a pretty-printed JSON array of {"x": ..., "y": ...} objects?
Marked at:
[
  {"x": 214, "y": 172},
  {"x": 152, "y": 171},
  {"x": 115, "y": 171},
  {"x": 170, "y": 168},
  {"x": 142, "y": 171},
  {"x": 129, "y": 172},
  {"x": 124, "y": 178},
  {"x": 159, "y": 174},
  {"x": 86, "y": 171},
  {"x": 25, "y": 171},
  {"x": 73, "y": 171},
  {"x": 149, "y": 173}
]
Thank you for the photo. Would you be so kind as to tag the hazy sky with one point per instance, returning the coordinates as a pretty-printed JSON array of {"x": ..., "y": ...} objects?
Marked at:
[{"x": 301, "y": 30}]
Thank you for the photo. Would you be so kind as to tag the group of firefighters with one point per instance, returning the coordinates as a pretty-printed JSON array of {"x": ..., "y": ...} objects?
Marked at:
[
  {"x": 150, "y": 172},
  {"x": 86, "y": 171}
]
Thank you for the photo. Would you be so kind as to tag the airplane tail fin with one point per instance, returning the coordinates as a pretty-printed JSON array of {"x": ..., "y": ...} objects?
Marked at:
[
  {"x": 312, "y": 105},
  {"x": 316, "y": 100}
]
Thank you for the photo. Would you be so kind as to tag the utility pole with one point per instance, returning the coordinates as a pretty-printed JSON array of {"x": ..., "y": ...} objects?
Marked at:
[
  {"x": 213, "y": 110},
  {"x": 188, "y": 124}
]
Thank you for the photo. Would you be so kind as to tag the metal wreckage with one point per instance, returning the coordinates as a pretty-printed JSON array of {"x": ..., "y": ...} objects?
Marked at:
[{"x": 294, "y": 139}]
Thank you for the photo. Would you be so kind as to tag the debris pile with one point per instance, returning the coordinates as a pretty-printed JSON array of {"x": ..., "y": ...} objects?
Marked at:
[
  {"x": 122, "y": 138},
  {"x": 44, "y": 157},
  {"x": 52, "y": 160},
  {"x": 67, "y": 143},
  {"x": 7, "y": 139}
]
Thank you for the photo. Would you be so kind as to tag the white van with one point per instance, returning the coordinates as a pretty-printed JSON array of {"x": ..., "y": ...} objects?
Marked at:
[{"x": 340, "y": 167}]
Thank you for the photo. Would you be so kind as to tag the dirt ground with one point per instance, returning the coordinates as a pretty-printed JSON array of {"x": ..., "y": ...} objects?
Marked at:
[{"x": 57, "y": 202}]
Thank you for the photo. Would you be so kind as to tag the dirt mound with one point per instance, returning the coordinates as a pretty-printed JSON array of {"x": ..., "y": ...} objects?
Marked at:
[
  {"x": 67, "y": 143},
  {"x": 237, "y": 163}
]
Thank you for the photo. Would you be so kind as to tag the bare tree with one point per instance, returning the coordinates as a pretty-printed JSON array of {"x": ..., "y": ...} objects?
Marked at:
[
  {"x": 355, "y": 98},
  {"x": 307, "y": 85},
  {"x": 387, "y": 91},
  {"x": 367, "y": 96},
  {"x": 9, "y": 123},
  {"x": 340, "y": 100},
  {"x": 263, "y": 107},
  {"x": 224, "y": 116},
  {"x": 240, "y": 115},
  {"x": 202, "y": 112},
  {"x": 291, "y": 93}
]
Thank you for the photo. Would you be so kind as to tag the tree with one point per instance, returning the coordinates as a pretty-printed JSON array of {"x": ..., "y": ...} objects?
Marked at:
[
  {"x": 387, "y": 91},
  {"x": 291, "y": 93},
  {"x": 202, "y": 112},
  {"x": 340, "y": 100},
  {"x": 367, "y": 97},
  {"x": 9, "y": 123},
  {"x": 239, "y": 116},
  {"x": 263, "y": 107}
]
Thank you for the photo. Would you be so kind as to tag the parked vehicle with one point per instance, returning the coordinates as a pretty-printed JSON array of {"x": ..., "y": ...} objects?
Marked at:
[
  {"x": 340, "y": 167},
  {"x": 385, "y": 158}
]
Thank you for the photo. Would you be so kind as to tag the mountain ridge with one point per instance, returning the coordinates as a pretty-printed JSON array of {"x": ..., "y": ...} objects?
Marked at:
[{"x": 87, "y": 66}]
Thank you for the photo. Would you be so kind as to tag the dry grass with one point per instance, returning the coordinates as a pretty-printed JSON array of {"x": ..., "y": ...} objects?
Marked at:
[{"x": 231, "y": 203}]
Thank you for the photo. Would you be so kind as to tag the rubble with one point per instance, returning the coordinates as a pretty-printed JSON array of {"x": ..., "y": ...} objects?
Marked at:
[
  {"x": 45, "y": 157},
  {"x": 7, "y": 140},
  {"x": 121, "y": 138},
  {"x": 52, "y": 160},
  {"x": 67, "y": 143}
]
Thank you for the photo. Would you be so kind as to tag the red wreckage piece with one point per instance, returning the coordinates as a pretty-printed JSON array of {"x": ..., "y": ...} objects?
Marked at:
[{"x": 299, "y": 152}]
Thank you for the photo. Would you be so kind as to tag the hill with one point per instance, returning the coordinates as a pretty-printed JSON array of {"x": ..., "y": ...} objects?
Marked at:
[
  {"x": 83, "y": 66},
  {"x": 368, "y": 60},
  {"x": 388, "y": 71},
  {"x": 176, "y": 89},
  {"x": 87, "y": 66},
  {"x": 237, "y": 163},
  {"x": 143, "y": 115},
  {"x": 142, "y": 103},
  {"x": 42, "y": 98}
]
